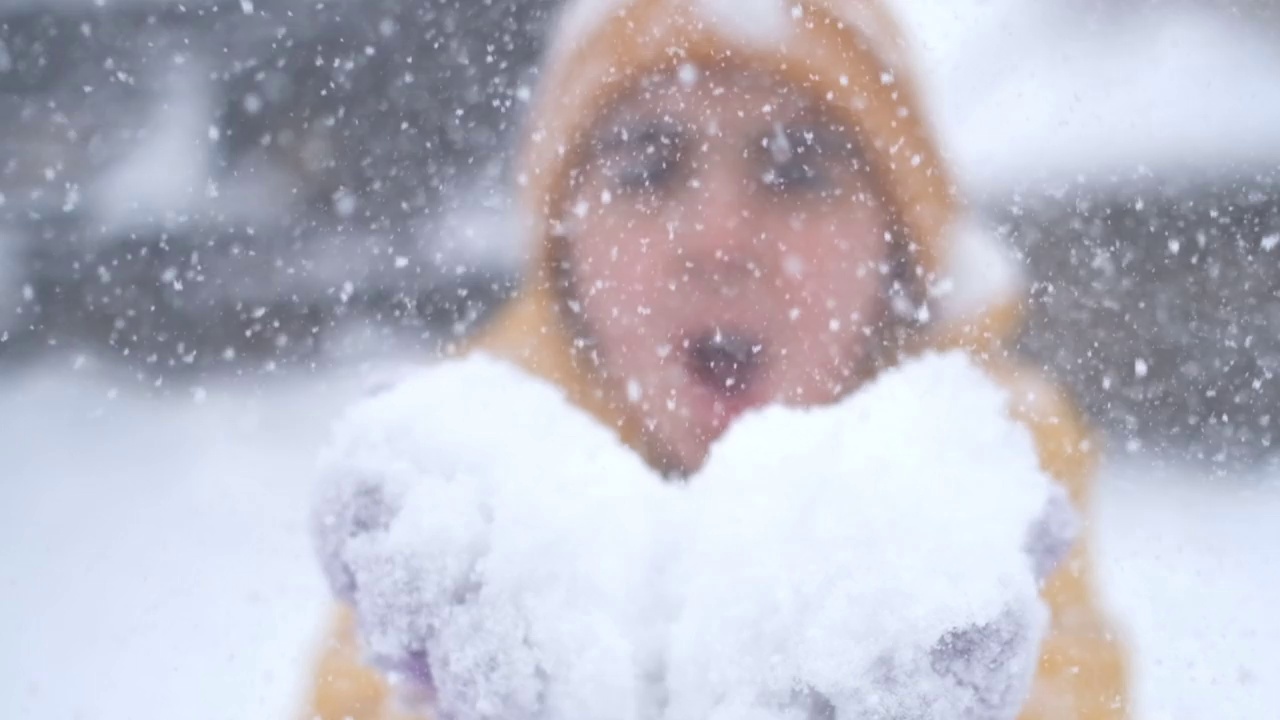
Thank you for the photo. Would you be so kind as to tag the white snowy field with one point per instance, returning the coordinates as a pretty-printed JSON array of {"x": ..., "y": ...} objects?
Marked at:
[{"x": 155, "y": 562}]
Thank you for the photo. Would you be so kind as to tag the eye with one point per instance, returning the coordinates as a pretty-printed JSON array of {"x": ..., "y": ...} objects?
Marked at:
[
  {"x": 794, "y": 162},
  {"x": 650, "y": 159},
  {"x": 795, "y": 175}
]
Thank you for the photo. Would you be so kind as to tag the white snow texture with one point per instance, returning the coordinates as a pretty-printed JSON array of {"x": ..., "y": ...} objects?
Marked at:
[{"x": 878, "y": 558}]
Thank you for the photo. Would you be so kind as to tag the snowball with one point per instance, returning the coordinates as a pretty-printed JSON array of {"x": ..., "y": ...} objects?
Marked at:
[
  {"x": 875, "y": 558},
  {"x": 836, "y": 547},
  {"x": 453, "y": 520}
]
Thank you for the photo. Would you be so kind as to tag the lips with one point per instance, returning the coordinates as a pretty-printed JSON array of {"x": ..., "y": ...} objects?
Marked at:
[{"x": 727, "y": 362}]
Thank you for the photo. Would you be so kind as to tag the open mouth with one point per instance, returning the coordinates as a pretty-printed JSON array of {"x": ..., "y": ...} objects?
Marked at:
[{"x": 727, "y": 362}]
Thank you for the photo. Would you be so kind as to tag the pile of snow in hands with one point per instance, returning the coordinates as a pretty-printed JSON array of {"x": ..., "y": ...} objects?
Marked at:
[{"x": 876, "y": 558}]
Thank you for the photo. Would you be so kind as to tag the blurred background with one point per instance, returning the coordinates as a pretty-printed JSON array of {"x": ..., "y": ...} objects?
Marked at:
[{"x": 221, "y": 219}]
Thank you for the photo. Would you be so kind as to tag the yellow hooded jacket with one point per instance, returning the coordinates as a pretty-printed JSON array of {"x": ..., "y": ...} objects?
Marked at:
[{"x": 851, "y": 53}]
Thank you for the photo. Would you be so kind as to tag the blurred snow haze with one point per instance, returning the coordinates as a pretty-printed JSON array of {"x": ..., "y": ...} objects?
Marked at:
[{"x": 222, "y": 223}]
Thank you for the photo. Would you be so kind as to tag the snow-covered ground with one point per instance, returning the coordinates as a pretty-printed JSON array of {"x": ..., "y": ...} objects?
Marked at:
[
  {"x": 154, "y": 554},
  {"x": 1188, "y": 562},
  {"x": 154, "y": 559}
]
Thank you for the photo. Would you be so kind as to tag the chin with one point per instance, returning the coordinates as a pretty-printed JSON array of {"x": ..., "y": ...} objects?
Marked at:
[{"x": 676, "y": 460}]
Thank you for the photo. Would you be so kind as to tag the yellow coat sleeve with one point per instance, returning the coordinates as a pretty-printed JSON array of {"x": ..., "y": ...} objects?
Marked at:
[
  {"x": 1082, "y": 673},
  {"x": 343, "y": 688}
]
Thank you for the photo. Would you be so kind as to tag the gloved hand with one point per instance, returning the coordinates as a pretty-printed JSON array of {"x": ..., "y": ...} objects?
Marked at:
[
  {"x": 494, "y": 542},
  {"x": 878, "y": 558}
]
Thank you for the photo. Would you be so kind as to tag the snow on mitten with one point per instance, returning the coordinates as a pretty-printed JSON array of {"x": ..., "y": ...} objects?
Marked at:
[
  {"x": 470, "y": 547},
  {"x": 872, "y": 559}
]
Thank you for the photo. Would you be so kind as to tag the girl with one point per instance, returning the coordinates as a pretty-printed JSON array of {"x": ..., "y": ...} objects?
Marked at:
[{"x": 740, "y": 203}]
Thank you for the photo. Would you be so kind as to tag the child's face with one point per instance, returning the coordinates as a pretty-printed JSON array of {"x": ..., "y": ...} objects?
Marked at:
[{"x": 728, "y": 248}]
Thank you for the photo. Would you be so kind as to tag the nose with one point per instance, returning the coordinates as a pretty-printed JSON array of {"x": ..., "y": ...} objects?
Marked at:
[{"x": 718, "y": 235}]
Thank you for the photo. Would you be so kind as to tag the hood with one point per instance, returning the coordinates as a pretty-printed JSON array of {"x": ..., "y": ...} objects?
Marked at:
[{"x": 849, "y": 51}]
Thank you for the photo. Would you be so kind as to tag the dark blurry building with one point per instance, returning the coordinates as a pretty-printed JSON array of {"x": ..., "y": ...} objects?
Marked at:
[
  {"x": 240, "y": 183},
  {"x": 1158, "y": 301}
]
